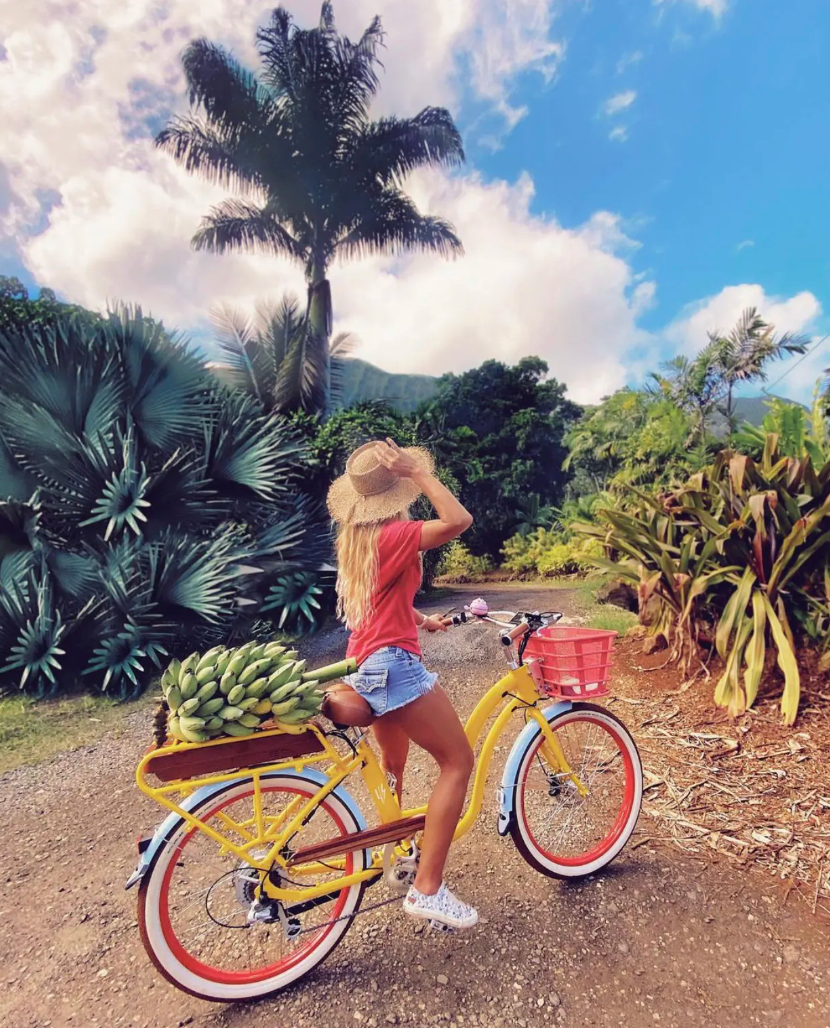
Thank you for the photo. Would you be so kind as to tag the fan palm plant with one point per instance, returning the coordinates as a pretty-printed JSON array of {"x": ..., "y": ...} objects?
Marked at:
[
  {"x": 265, "y": 356},
  {"x": 314, "y": 177},
  {"x": 143, "y": 507}
]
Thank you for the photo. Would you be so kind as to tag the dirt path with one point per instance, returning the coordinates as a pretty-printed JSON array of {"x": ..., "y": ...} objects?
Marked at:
[{"x": 657, "y": 940}]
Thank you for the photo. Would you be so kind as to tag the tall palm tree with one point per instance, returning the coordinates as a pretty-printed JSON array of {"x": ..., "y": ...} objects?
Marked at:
[
  {"x": 315, "y": 178},
  {"x": 265, "y": 355},
  {"x": 706, "y": 383},
  {"x": 743, "y": 355}
]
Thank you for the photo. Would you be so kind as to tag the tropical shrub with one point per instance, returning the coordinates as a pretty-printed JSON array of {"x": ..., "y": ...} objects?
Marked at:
[
  {"x": 633, "y": 437},
  {"x": 738, "y": 556},
  {"x": 144, "y": 508},
  {"x": 262, "y": 354},
  {"x": 500, "y": 431},
  {"x": 800, "y": 432},
  {"x": 549, "y": 552},
  {"x": 459, "y": 565}
]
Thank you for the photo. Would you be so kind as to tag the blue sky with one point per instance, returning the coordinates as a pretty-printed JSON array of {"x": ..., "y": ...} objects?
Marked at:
[
  {"x": 728, "y": 141},
  {"x": 639, "y": 171}
]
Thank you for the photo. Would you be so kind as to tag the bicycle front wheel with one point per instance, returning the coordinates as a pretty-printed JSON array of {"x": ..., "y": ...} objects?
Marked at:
[
  {"x": 194, "y": 901},
  {"x": 571, "y": 821}
]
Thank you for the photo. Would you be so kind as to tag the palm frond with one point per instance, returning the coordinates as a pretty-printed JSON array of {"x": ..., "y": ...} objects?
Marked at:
[
  {"x": 248, "y": 451},
  {"x": 295, "y": 535},
  {"x": 355, "y": 75},
  {"x": 165, "y": 380},
  {"x": 235, "y": 335},
  {"x": 342, "y": 345},
  {"x": 228, "y": 93},
  {"x": 304, "y": 378},
  {"x": 181, "y": 495},
  {"x": 388, "y": 150},
  {"x": 279, "y": 324},
  {"x": 392, "y": 224},
  {"x": 197, "y": 576},
  {"x": 238, "y": 225},
  {"x": 15, "y": 484},
  {"x": 215, "y": 153},
  {"x": 297, "y": 598},
  {"x": 30, "y": 616}
]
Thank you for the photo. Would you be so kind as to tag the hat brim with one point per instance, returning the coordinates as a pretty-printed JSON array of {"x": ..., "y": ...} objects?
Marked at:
[{"x": 348, "y": 507}]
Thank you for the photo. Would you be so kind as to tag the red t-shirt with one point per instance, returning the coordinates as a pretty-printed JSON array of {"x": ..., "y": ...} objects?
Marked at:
[{"x": 399, "y": 577}]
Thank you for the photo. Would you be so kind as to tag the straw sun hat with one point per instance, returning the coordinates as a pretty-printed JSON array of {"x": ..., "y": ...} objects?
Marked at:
[{"x": 369, "y": 492}]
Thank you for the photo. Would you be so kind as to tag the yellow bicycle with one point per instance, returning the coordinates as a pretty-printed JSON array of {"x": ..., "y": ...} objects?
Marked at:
[{"x": 261, "y": 865}]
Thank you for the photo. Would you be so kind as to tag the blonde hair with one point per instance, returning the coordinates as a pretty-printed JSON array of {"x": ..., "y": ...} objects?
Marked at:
[{"x": 357, "y": 570}]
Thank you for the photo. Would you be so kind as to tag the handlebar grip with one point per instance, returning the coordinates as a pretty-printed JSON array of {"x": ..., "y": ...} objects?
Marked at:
[
  {"x": 518, "y": 632},
  {"x": 332, "y": 671}
]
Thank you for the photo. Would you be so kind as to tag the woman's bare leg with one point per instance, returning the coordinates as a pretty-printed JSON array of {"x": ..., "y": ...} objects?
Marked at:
[
  {"x": 393, "y": 743},
  {"x": 432, "y": 723}
]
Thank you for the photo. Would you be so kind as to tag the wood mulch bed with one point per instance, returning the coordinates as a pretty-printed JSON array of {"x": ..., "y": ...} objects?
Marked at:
[{"x": 748, "y": 789}]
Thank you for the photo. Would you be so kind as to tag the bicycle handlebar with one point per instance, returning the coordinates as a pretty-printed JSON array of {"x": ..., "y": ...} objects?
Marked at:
[{"x": 514, "y": 625}]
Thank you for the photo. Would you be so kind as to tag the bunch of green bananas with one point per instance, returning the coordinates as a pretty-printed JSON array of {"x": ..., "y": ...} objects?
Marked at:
[{"x": 231, "y": 692}]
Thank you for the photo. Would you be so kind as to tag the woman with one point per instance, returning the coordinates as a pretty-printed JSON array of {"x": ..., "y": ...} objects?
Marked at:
[{"x": 379, "y": 572}]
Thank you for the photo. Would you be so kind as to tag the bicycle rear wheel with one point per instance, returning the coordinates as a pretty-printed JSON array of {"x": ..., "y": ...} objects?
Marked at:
[
  {"x": 194, "y": 900},
  {"x": 559, "y": 830}
]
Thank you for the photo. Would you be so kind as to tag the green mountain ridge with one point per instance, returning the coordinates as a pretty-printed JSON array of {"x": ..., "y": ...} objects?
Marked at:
[
  {"x": 361, "y": 381},
  {"x": 364, "y": 381}
]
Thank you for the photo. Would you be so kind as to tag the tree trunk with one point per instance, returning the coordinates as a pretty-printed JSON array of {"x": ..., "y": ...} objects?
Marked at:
[
  {"x": 319, "y": 315},
  {"x": 730, "y": 413}
]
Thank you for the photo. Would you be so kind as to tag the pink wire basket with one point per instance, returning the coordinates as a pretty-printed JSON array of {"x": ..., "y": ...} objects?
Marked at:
[{"x": 575, "y": 662}]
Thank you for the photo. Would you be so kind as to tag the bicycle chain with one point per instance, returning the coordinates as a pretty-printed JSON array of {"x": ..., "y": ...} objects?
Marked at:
[{"x": 348, "y": 917}]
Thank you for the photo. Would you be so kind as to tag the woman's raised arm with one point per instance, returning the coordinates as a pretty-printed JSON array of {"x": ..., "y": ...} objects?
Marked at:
[{"x": 453, "y": 518}]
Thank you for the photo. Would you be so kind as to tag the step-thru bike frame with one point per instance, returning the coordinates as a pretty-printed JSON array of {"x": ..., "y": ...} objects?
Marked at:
[{"x": 520, "y": 690}]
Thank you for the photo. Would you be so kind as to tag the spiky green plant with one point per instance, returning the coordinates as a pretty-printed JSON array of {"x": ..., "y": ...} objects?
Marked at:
[
  {"x": 144, "y": 508},
  {"x": 741, "y": 554}
]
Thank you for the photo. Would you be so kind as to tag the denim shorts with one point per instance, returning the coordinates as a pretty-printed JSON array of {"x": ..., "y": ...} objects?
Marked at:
[{"x": 390, "y": 678}]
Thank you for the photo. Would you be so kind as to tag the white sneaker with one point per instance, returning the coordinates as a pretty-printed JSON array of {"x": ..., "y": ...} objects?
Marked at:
[{"x": 442, "y": 907}]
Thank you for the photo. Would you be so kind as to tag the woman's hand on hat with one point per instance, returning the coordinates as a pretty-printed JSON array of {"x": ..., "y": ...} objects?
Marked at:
[{"x": 392, "y": 457}]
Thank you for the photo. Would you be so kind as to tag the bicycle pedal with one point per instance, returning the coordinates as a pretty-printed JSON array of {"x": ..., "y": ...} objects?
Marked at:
[{"x": 439, "y": 926}]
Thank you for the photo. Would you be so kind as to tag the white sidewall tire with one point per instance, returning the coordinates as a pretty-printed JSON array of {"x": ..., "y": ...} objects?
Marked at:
[
  {"x": 187, "y": 980},
  {"x": 525, "y": 843}
]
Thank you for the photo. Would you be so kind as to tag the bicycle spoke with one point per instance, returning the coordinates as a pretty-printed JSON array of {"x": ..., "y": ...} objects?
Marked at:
[
  {"x": 210, "y": 892},
  {"x": 564, "y": 821}
]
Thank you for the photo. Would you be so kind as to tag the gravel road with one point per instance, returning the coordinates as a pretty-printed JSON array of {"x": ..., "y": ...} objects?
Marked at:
[{"x": 657, "y": 940}]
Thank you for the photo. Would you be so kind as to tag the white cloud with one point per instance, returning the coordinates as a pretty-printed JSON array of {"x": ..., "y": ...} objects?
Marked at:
[
  {"x": 620, "y": 133},
  {"x": 717, "y": 8},
  {"x": 526, "y": 285},
  {"x": 745, "y": 244},
  {"x": 629, "y": 60},
  {"x": 620, "y": 102},
  {"x": 120, "y": 214}
]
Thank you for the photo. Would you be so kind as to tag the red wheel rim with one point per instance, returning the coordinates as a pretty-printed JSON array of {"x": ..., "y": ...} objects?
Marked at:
[
  {"x": 218, "y": 975},
  {"x": 621, "y": 820}
]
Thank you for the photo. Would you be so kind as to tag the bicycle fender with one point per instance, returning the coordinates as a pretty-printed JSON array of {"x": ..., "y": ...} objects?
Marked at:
[
  {"x": 506, "y": 794},
  {"x": 174, "y": 820}
]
